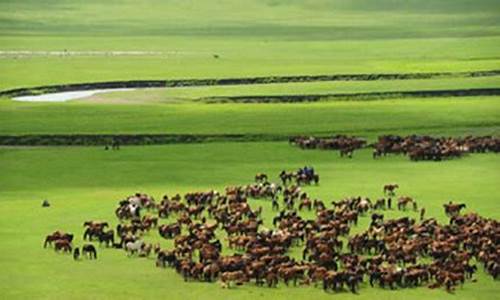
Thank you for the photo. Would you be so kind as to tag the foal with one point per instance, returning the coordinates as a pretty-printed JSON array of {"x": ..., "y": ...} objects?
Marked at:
[{"x": 90, "y": 251}]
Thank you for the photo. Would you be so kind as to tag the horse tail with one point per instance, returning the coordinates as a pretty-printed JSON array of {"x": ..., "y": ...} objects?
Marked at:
[{"x": 46, "y": 242}]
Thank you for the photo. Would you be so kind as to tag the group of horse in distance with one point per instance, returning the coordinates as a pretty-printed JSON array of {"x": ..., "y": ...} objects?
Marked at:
[
  {"x": 62, "y": 242},
  {"x": 416, "y": 147},
  {"x": 389, "y": 253}
]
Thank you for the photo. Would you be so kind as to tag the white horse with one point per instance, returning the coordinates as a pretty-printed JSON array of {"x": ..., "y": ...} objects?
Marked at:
[
  {"x": 134, "y": 201},
  {"x": 134, "y": 210},
  {"x": 134, "y": 247}
]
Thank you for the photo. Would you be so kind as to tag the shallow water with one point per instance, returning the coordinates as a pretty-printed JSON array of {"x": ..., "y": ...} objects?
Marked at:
[{"x": 67, "y": 96}]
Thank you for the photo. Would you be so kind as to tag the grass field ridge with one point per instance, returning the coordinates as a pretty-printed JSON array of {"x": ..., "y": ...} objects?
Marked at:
[
  {"x": 356, "y": 96},
  {"x": 241, "y": 81}
]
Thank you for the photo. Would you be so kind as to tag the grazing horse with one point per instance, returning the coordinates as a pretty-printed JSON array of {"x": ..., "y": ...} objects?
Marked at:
[
  {"x": 452, "y": 209},
  {"x": 57, "y": 235},
  {"x": 272, "y": 279},
  {"x": 145, "y": 250},
  {"x": 379, "y": 204},
  {"x": 76, "y": 253},
  {"x": 169, "y": 231},
  {"x": 90, "y": 251},
  {"x": 286, "y": 177},
  {"x": 134, "y": 247},
  {"x": 107, "y": 237},
  {"x": 305, "y": 203},
  {"x": 389, "y": 189},
  {"x": 211, "y": 271},
  {"x": 165, "y": 257},
  {"x": 237, "y": 276},
  {"x": 346, "y": 151},
  {"x": 95, "y": 224},
  {"x": 63, "y": 245},
  {"x": 93, "y": 229},
  {"x": 404, "y": 201},
  {"x": 260, "y": 177},
  {"x": 494, "y": 269}
]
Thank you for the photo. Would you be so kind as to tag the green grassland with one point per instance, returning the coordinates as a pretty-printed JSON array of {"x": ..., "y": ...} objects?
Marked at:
[
  {"x": 86, "y": 183},
  {"x": 252, "y": 38},
  {"x": 66, "y": 41},
  {"x": 456, "y": 116},
  {"x": 181, "y": 94}
]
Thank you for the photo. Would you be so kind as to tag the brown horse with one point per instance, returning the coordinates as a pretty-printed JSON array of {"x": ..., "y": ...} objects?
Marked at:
[
  {"x": 286, "y": 177},
  {"x": 389, "y": 189},
  {"x": 452, "y": 209},
  {"x": 305, "y": 203},
  {"x": 272, "y": 279},
  {"x": 404, "y": 201},
  {"x": 57, "y": 235},
  {"x": 379, "y": 204},
  {"x": 63, "y": 245},
  {"x": 260, "y": 177},
  {"x": 211, "y": 271},
  {"x": 239, "y": 277},
  {"x": 169, "y": 231}
]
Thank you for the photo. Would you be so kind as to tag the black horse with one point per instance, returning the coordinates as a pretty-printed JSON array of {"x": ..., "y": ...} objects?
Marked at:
[
  {"x": 76, "y": 253},
  {"x": 90, "y": 251},
  {"x": 107, "y": 237}
]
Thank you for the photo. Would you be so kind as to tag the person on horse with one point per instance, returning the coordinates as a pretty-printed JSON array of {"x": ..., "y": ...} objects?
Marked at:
[
  {"x": 311, "y": 171},
  {"x": 306, "y": 172}
]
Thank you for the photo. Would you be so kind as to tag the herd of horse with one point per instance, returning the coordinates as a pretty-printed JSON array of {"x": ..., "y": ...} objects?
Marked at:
[
  {"x": 63, "y": 242},
  {"x": 343, "y": 143},
  {"x": 389, "y": 253},
  {"x": 416, "y": 147}
]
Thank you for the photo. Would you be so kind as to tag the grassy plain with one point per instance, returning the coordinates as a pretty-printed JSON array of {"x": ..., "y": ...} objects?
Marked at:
[
  {"x": 177, "y": 39},
  {"x": 86, "y": 183},
  {"x": 66, "y": 41}
]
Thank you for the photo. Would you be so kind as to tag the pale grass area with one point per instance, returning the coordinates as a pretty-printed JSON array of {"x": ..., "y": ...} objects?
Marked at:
[
  {"x": 136, "y": 96},
  {"x": 111, "y": 53}
]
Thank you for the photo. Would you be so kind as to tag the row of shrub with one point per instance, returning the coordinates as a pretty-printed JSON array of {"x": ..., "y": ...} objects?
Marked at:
[
  {"x": 354, "y": 96},
  {"x": 127, "y": 139}
]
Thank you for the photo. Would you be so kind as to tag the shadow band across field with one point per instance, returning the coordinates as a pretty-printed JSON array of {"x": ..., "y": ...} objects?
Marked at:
[
  {"x": 30, "y": 91},
  {"x": 354, "y": 96}
]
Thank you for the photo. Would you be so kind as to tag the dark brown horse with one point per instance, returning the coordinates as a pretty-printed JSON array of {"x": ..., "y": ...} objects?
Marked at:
[
  {"x": 63, "y": 245},
  {"x": 452, "y": 209},
  {"x": 89, "y": 251},
  {"x": 107, "y": 237},
  {"x": 57, "y": 235},
  {"x": 260, "y": 177},
  {"x": 389, "y": 189}
]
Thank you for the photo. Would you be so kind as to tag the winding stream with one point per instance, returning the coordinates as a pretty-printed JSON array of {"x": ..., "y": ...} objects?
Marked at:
[{"x": 67, "y": 96}]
